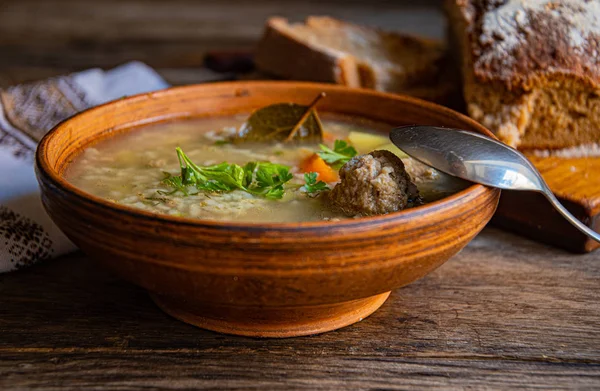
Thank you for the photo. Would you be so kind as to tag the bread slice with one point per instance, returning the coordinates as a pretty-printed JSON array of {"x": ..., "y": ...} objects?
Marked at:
[
  {"x": 530, "y": 69},
  {"x": 329, "y": 50}
]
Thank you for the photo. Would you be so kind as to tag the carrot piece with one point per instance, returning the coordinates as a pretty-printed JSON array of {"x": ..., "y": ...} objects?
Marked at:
[
  {"x": 329, "y": 137},
  {"x": 314, "y": 163}
]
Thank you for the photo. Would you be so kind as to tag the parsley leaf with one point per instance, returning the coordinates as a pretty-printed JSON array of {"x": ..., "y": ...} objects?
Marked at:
[
  {"x": 267, "y": 179},
  {"x": 259, "y": 178},
  {"x": 311, "y": 185},
  {"x": 341, "y": 153},
  {"x": 174, "y": 182}
]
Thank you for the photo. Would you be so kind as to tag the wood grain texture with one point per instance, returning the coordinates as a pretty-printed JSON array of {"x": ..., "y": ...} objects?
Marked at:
[
  {"x": 576, "y": 183},
  {"x": 505, "y": 312},
  {"x": 575, "y": 180}
]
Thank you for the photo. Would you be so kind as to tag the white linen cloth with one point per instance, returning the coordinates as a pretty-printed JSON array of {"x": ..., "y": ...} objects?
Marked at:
[{"x": 27, "y": 112}]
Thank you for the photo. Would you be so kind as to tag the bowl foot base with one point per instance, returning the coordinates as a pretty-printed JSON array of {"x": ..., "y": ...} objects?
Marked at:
[{"x": 271, "y": 322}]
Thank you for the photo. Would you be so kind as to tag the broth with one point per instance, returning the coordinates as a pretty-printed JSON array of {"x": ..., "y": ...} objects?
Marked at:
[{"x": 128, "y": 169}]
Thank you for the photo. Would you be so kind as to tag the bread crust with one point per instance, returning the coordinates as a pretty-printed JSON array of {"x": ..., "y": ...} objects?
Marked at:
[
  {"x": 531, "y": 70},
  {"x": 541, "y": 49},
  {"x": 279, "y": 52}
]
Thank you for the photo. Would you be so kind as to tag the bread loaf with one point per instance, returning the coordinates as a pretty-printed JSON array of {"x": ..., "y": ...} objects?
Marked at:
[{"x": 530, "y": 68}]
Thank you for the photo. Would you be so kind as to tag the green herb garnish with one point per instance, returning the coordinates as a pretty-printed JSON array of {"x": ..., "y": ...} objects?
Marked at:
[
  {"x": 259, "y": 178},
  {"x": 312, "y": 186},
  {"x": 175, "y": 182},
  {"x": 341, "y": 153},
  {"x": 219, "y": 143}
]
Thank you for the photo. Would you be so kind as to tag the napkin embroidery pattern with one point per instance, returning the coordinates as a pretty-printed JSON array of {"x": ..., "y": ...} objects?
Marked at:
[
  {"x": 18, "y": 149},
  {"x": 32, "y": 109},
  {"x": 35, "y": 108},
  {"x": 26, "y": 241},
  {"x": 27, "y": 112}
]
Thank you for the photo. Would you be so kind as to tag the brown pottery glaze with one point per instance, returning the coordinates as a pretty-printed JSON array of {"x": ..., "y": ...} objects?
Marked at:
[{"x": 264, "y": 280}]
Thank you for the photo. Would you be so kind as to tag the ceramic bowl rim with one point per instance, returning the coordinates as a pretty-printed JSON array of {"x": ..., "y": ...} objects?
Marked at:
[{"x": 57, "y": 180}]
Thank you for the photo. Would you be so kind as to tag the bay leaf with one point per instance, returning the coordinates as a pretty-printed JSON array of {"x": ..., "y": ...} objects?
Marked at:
[{"x": 283, "y": 122}]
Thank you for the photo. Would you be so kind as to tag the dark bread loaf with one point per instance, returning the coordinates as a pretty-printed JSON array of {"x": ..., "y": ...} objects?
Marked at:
[{"x": 530, "y": 68}]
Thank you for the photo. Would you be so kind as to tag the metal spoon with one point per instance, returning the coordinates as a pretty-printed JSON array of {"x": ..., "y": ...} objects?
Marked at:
[{"x": 479, "y": 159}]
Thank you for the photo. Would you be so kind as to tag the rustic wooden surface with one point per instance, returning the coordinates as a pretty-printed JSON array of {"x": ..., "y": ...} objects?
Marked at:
[
  {"x": 576, "y": 183},
  {"x": 505, "y": 313}
]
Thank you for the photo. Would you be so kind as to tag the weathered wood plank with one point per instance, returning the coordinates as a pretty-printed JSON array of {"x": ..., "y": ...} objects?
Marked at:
[
  {"x": 265, "y": 370},
  {"x": 505, "y": 311}
]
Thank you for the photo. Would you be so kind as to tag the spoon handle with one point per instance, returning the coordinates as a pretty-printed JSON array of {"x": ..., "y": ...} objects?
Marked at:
[{"x": 567, "y": 215}]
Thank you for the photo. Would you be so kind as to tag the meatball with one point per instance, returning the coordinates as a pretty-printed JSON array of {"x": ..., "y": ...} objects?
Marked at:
[{"x": 373, "y": 184}]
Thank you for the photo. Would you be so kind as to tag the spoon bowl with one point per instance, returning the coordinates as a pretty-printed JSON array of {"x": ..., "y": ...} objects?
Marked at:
[{"x": 480, "y": 159}]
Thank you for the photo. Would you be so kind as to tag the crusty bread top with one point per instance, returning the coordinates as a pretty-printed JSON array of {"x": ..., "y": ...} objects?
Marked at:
[{"x": 522, "y": 43}]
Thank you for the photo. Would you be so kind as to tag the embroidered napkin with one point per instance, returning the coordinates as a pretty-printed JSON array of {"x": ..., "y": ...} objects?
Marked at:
[{"x": 27, "y": 112}]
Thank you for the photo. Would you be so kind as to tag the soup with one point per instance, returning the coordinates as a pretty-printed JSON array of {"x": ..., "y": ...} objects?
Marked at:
[{"x": 141, "y": 169}]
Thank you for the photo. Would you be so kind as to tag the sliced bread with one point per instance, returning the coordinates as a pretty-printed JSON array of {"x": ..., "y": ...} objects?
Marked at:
[{"x": 329, "y": 50}]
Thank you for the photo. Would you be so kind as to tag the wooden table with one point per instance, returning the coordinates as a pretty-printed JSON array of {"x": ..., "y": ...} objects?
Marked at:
[{"x": 505, "y": 312}]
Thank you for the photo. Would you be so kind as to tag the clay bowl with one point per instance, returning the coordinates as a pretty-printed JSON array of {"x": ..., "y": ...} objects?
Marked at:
[{"x": 265, "y": 280}]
